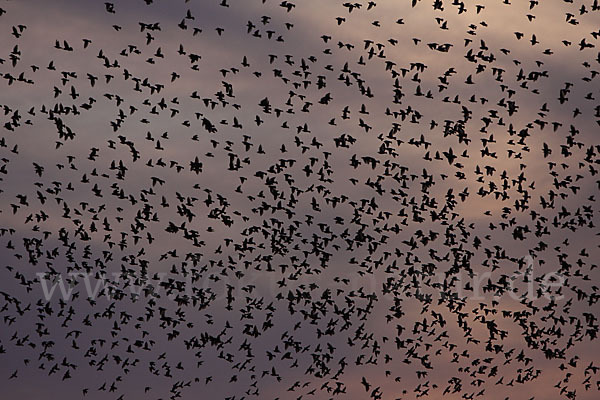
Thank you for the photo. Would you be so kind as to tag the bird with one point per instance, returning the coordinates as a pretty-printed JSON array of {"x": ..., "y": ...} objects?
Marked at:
[{"x": 314, "y": 202}]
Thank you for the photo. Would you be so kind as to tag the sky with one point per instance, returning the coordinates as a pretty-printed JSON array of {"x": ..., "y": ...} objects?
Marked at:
[{"x": 309, "y": 199}]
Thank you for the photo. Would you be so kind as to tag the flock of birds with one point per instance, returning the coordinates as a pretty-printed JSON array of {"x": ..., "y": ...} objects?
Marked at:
[{"x": 294, "y": 200}]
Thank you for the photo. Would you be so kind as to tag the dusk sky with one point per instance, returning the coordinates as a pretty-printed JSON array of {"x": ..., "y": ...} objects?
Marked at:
[{"x": 265, "y": 199}]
